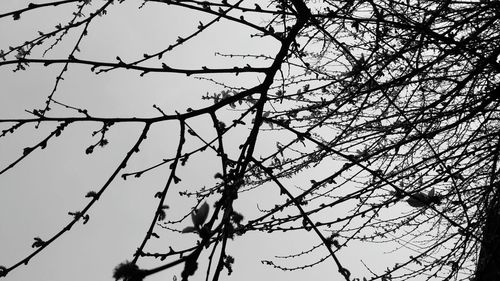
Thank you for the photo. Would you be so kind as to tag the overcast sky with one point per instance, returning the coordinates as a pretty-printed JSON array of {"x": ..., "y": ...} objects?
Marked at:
[{"x": 37, "y": 194}]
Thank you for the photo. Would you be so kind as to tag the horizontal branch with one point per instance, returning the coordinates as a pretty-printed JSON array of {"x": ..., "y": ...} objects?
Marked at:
[
  {"x": 143, "y": 69},
  {"x": 178, "y": 116}
]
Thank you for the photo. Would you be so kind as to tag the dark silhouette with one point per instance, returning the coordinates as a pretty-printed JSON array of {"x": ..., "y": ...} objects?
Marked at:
[{"x": 392, "y": 107}]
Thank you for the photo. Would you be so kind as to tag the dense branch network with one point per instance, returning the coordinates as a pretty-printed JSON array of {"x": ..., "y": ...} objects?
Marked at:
[{"x": 400, "y": 99}]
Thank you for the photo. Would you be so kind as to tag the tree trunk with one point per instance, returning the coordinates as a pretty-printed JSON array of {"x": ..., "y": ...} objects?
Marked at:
[{"x": 488, "y": 266}]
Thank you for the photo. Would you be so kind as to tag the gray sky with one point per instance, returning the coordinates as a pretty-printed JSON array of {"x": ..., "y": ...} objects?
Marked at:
[{"x": 38, "y": 193}]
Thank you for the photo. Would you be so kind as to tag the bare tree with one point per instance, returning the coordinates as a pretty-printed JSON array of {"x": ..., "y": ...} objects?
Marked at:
[{"x": 398, "y": 99}]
